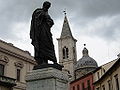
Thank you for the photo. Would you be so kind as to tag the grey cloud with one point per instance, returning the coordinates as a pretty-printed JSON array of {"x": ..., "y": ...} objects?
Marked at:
[
  {"x": 87, "y": 11},
  {"x": 82, "y": 12},
  {"x": 110, "y": 32},
  {"x": 15, "y": 11},
  {"x": 95, "y": 8},
  {"x": 106, "y": 27}
]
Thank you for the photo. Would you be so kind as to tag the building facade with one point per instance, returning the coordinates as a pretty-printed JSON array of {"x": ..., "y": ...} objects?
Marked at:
[
  {"x": 100, "y": 71},
  {"x": 110, "y": 80},
  {"x": 6, "y": 83},
  {"x": 83, "y": 83},
  {"x": 14, "y": 64}
]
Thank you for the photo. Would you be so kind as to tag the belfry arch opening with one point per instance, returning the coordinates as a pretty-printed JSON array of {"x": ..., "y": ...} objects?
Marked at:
[{"x": 65, "y": 53}]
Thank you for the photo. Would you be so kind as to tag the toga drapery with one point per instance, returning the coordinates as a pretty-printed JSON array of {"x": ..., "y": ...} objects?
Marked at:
[{"x": 41, "y": 36}]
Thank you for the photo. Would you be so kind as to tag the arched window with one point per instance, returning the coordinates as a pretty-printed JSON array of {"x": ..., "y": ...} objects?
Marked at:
[
  {"x": 74, "y": 52},
  {"x": 19, "y": 65},
  {"x": 2, "y": 69},
  {"x": 65, "y": 52}
]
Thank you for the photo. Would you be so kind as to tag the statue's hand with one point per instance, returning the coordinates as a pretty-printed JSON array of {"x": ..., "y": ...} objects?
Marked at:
[{"x": 50, "y": 23}]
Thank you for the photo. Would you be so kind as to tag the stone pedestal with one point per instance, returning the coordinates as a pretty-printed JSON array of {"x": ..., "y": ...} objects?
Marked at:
[{"x": 47, "y": 79}]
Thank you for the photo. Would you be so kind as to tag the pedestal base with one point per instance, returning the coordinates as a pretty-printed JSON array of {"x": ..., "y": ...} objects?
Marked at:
[
  {"x": 45, "y": 65},
  {"x": 47, "y": 79}
]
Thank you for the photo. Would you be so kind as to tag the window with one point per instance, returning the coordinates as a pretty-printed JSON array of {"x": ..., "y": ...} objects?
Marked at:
[
  {"x": 65, "y": 53},
  {"x": 73, "y": 87},
  {"x": 78, "y": 87},
  {"x": 88, "y": 84},
  {"x": 117, "y": 82},
  {"x": 19, "y": 65},
  {"x": 1, "y": 69},
  {"x": 103, "y": 87},
  {"x": 74, "y": 53},
  {"x": 98, "y": 75},
  {"x": 18, "y": 74},
  {"x": 103, "y": 70},
  {"x": 109, "y": 85},
  {"x": 83, "y": 87}
]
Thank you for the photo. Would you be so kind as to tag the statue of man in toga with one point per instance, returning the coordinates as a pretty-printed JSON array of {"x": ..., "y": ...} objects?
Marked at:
[{"x": 41, "y": 36}]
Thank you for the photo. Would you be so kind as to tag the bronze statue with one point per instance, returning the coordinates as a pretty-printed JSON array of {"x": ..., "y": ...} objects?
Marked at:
[{"x": 41, "y": 36}]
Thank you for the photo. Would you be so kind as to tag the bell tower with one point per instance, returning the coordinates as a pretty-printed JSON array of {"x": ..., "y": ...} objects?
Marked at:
[{"x": 67, "y": 48}]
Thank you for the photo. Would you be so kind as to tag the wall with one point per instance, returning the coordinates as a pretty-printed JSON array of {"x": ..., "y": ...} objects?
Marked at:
[
  {"x": 16, "y": 59},
  {"x": 101, "y": 70},
  {"x": 110, "y": 77},
  {"x": 84, "y": 80}
]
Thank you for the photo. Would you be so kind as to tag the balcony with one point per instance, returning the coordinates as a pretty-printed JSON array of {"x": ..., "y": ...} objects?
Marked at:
[{"x": 7, "y": 81}]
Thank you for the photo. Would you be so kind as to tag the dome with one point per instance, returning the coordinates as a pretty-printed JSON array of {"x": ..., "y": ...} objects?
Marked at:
[{"x": 86, "y": 61}]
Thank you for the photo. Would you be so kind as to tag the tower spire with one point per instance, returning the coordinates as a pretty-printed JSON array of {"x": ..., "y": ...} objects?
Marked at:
[
  {"x": 66, "y": 31},
  {"x": 67, "y": 48}
]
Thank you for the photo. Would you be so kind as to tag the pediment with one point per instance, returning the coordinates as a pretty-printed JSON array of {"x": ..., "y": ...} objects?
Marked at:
[
  {"x": 19, "y": 64},
  {"x": 4, "y": 58}
]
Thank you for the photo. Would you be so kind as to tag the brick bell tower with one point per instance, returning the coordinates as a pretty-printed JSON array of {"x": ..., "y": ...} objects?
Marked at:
[{"x": 67, "y": 49}]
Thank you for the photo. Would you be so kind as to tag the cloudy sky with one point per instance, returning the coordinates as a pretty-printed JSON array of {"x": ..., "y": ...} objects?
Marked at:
[{"x": 94, "y": 22}]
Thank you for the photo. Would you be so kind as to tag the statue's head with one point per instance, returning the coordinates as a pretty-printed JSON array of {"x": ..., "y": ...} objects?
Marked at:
[{"x": 46, "y": 5}]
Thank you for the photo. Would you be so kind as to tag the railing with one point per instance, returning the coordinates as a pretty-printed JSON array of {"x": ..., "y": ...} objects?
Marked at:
[{"x": 7, "y": 81}]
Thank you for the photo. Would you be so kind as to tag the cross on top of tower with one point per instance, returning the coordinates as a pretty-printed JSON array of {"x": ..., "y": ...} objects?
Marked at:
[
  {"x": 64, "y": 12},
  {"x": 84, "y": 45}
]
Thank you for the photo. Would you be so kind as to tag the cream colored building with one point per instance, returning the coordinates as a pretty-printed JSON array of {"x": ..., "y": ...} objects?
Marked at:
[
  {"x": 107, "y": 77},
  {"x": 14, "y": 63},
  {"x": 100, "y": 71}
]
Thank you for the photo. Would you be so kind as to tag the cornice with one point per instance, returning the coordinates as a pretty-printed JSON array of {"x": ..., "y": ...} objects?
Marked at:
[
  {"x": 17, "y": 55},
  {"x": 67, "y": 37},
  {"x": 109, "y": 71},
  {"x": 11, "y": 45},
  {"x": 19, "y": 64}
]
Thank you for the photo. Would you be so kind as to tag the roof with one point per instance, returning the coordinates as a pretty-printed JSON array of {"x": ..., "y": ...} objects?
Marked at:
[
  {"x": 90, "y": 73},
  {"x": 10, "y": 49},
  {"x": 86, "y": 61},
  {"x": 66, "y": 31},
  {"x": 104, "y": 65},
  {"x": 111, "y": 70}
]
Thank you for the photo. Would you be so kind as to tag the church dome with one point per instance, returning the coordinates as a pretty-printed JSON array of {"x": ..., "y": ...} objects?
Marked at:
[{"x": 86, "y": 61}]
